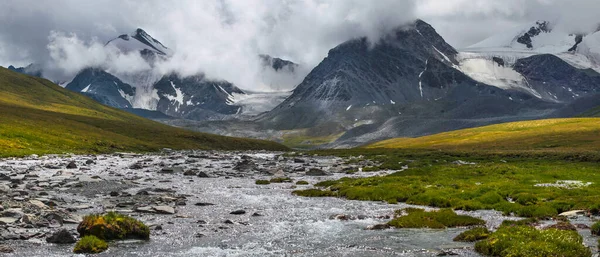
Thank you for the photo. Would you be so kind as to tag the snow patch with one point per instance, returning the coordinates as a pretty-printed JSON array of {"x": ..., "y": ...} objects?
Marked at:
[
  {"x": 349, "y": 107},
  {"x": 178, "y": 97},
  {"x": 489, "y": 72},
  {"x": 86, "y": 89},
  {"x": 420, "y": 75}
]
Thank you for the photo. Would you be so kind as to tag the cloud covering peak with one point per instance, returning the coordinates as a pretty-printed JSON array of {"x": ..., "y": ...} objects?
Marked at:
[{"x": 223, "y": 38}]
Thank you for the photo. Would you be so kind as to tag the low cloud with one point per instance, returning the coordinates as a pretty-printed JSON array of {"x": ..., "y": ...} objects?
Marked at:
[{"x": 223, "y": 38}]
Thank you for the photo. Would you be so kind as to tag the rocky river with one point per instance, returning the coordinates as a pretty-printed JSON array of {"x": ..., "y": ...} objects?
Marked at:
[{"x": 206, "y": 203}]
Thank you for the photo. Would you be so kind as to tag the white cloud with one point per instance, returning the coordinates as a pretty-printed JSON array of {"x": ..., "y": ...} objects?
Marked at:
[{"x": 223, "y": 37}]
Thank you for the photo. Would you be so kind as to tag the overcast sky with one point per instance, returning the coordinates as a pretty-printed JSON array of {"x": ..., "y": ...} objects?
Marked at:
[{"x": 223, "y": 37}]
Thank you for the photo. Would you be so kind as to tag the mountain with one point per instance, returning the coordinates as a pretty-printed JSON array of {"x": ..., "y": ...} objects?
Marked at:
[
  {"x": 412, "y": 83},
  {"x": 196, "y": 97},
  {"x": 140, "y": 41},
  {"x": 277, "y": 64},
  {"x": 31, "y": 69},
  {"x": 103, "y": 87},
  {"x": 39, "y": 117},
  {"x": 412, "y": 73}
]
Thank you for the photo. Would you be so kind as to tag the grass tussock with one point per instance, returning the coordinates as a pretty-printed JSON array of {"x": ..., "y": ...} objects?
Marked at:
[
  {"x": 528, "y": 241},
  {"x": 473, "y": 235},
  {"x": 435, "y": 219},
  {"x": 314, "y": 193},
  {"x": 90, "y": 245}
]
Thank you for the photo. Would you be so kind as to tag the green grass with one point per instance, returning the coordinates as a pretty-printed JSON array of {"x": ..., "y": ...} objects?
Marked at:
[
  {"x": 300, "y": 139},
  {"x": 262, "y": 182},
  {"x": 596, "y": 229},
  {"x": 523, "y": 241},
  {"x": 552, "y": 135},
  {"x": 441, "y": 219},
  {"x": 302, "y": 182},
  {"x": 39, "y": 117},
  {"x": 113, "y": 226},
  {"x": 505, "y": 183},
  {"x": 90, "y": 245},
  {"x": 473, "y": 235}
]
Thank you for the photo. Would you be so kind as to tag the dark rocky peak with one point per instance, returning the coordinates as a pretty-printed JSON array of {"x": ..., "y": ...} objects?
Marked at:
[
  {"x": 277, "y": 63},
  {"x": 141, "y": 41},
  {"x": 538, "y": 28},
  {"x": 145, "y": 38},
  {"x": 419, "y": 38}
]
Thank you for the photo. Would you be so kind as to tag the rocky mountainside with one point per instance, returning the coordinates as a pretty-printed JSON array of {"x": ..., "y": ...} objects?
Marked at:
[
  {"x": 413, "y": 83},
  {"x": 103, "y": 87},
  {"x": 195, "y": 97},
  {"x": 412, "y": 72}
]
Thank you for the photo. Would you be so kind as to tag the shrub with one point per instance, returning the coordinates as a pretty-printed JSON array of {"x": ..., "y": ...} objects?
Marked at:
[
  {"x": 436, "y": 219},
  {"x": 262, "y": 182},
  {"x": 314, "y": 193},
  {"x": 596, "y": 229},
  {"x": 302, "y": 182},
  {"x": 91, "y": 245},
  {"x": 473, "y": 235},
  {"x": 527, "y": 241},
  {"x": 113, "y": 226}
]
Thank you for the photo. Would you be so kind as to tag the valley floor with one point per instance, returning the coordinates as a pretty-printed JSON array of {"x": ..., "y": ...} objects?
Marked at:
[{"x": 187, "y": 199}]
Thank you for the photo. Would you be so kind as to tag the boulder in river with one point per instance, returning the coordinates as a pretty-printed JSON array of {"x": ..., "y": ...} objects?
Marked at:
[
  {"x": 172, "y": 170},
  {"x": 164, "y": 209},
  {"x": 61, "y": 237},
  {"x": 72, "y": 165},
  {"x": 316, "y": 172},
  {"x": 238, "y": 212}
]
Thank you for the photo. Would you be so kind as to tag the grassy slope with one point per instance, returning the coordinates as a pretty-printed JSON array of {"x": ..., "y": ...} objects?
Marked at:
[
  {"x": 37, "y": 116},
  {"x": 560, "y": 135}
]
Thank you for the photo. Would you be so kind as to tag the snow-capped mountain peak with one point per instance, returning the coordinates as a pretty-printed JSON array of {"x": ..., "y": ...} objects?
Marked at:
[{"x": 140, "y": 40}]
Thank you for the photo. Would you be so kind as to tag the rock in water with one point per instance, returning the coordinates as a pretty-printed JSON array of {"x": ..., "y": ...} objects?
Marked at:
[
  {"x": 71, "y": 165},
  {"x": 238, "y": 212},
  {"x": 189, "y": 173},
  {"x": 7, "y": 220},
  {"x": 378, "y": 227},
  {"x": 172, "y": 170},
  {"x": 163, "y": 209},
  {"x": 61, "y": 237},
  {"x": 203, "y": 174},
  {"x": 6, "y": 249},
  {"x": 316, "y": 172}
]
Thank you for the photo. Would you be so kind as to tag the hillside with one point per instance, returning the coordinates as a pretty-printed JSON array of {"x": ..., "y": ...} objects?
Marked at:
[
  {"x": 575, "y": 134},
  {"x": 40, "y": 117}
]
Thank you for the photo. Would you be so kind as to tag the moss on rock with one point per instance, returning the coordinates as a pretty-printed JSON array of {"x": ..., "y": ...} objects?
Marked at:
[
  {"x": 262, "y": 182},
  {"x": 113, "y": 226}
]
